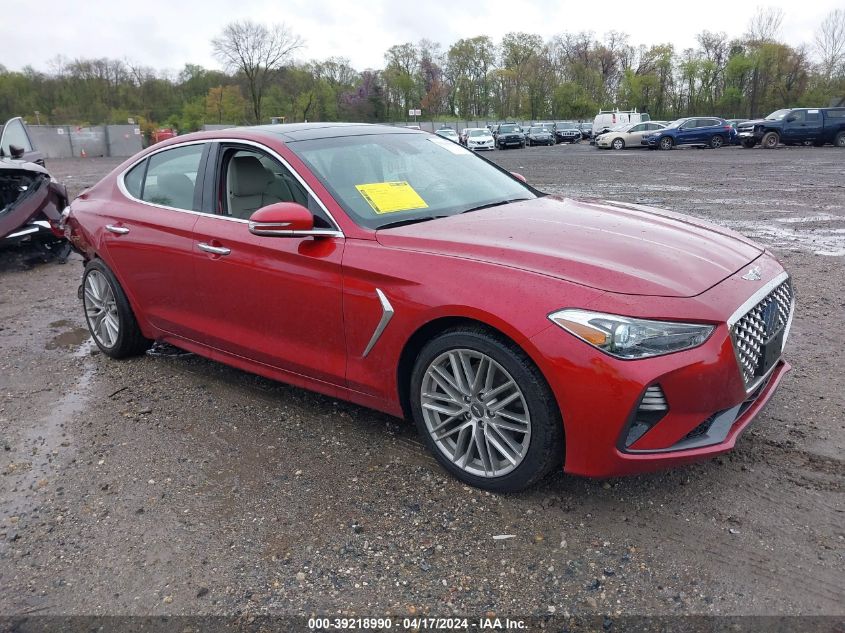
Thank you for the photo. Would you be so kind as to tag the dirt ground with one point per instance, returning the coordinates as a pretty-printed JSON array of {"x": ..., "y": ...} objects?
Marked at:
[{"x": 175, "y": 485}]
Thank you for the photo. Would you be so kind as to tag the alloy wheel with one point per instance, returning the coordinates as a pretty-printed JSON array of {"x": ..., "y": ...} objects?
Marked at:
[
  {"x": 475, "y": 413},
  {"x": 101, "y": 309}
]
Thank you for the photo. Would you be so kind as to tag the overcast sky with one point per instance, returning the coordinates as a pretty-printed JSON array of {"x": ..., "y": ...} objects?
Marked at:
[{"x": 166, "y": 34}]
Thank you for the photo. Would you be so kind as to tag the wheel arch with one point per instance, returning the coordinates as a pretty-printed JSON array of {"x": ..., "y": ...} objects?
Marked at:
[{"x": 432, "y": 328}]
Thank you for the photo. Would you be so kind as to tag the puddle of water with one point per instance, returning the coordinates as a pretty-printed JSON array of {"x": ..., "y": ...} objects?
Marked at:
[
  {"x": 71, "y": 338},
  {"x": 823, "y": 217},
  {"x": 44, "y": 445}
]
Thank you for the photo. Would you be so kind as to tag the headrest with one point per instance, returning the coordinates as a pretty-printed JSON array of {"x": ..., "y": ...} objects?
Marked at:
[{"x": 247, "y": 176}]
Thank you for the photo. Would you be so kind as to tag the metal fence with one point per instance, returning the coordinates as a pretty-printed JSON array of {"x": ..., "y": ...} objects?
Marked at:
[{"x": 68, "y": 141}]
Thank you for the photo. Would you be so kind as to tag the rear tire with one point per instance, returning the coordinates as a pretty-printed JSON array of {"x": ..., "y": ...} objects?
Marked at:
[
  {"x": 770, "y": 140},
  {"x": 839, "y": 140},
  {"x": 716, "y": 142},
  {"x": 466, "y": 414},
  {"x": 109, "y": 316}
]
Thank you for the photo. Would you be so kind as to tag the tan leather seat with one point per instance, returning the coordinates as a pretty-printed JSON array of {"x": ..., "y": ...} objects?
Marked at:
[
  {"x": 175, "y": 190},
  {"x": 249, "y": 186}
]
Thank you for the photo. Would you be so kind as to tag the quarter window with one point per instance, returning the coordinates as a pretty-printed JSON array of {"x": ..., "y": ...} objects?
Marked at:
[
  {"x": 133, "y": 179},
  {"x": 171, "y": 177}
]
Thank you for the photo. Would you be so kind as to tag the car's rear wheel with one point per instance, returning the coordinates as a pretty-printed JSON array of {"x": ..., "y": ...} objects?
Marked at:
[
  {"x": 618, "y": 143},
  {"x": 666, "y": 142},
  {"x": 770, "y": 140},
  {"x": 716, "y": 142},
  {"x": 485, "y": 411},
  {"x": 108, "y": 314},
  {"x": 839, "y": 141}
]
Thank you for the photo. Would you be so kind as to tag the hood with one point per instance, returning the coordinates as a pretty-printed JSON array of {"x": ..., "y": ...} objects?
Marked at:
[
  {"x": 628, "y": 249},
  {"x": 752, "y": 123}
]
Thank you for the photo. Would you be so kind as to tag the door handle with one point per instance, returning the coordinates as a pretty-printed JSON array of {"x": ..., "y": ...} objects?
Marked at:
[
  {"x": 214, "y": 250},
  {"x": 117, "y": 230}
]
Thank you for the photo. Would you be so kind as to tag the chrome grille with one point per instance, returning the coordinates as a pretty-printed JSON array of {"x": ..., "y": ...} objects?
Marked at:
[{"x": 757, "y": 326}]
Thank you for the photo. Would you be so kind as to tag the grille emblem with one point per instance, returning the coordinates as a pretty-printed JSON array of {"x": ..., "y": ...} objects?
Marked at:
[{"x": 753, "y": 274}]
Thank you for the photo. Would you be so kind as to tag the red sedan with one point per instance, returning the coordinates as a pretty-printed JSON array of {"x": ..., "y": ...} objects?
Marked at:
[{"x": 400, "y": 271}]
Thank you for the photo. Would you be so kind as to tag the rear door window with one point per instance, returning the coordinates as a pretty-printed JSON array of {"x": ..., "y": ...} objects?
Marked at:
[{"x": 171, "y": 177}]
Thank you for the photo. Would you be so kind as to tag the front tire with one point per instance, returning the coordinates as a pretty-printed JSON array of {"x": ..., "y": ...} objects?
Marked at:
[
  {"x": 485, "y": 411},
  {"x": 666, "y": 143},
  {"x": 770, "y": 140},
  {"x": 109, "y": 316},
  {"x": 618, "y": 143}
]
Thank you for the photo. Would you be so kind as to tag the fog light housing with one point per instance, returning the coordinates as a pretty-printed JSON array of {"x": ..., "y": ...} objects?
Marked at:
[{"x": 651, "y": 408}]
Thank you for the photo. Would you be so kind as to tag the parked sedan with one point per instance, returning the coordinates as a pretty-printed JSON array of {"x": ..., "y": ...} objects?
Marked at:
[
  {"x": 447, "y": 132},
  {"x": 702, "y": 131},
  {"x": 398, "y": 270},
  {"x": 480, "y": 138},
  {"x": 626, "y": 135},
  {"x": 538, "y": 135}
]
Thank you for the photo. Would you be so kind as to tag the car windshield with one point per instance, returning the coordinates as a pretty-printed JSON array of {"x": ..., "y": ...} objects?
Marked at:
[
  {"x": 535, "y": 130},
  {"x": 675, "y": 124},
  {"x": 508, "y": 128},
  {"x": 479, "y": 133},
  {"x": 777, "y": 115},
  {"x": 382, "y": 179}
]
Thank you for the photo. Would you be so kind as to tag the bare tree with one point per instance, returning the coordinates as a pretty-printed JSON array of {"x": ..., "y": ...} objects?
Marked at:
[
  {"x": 256, "y": 51},
  {"x": 830, "y": 43},
  {"x": 765, "y": 25}
]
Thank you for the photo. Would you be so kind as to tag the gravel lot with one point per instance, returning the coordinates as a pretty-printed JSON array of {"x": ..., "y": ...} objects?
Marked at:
[{"x": 175, "y": 485}]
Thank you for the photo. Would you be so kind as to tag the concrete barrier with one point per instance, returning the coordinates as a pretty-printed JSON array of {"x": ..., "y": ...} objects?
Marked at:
[{"x": 68, "y": 141}]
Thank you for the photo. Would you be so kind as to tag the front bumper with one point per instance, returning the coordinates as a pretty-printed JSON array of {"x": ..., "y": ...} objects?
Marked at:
[
  {"x": 650, "y": 141},
  {"x": 708, "y": 405},
  {"x": 477, "y": 146},
  {"x": 510, "y": 141}
]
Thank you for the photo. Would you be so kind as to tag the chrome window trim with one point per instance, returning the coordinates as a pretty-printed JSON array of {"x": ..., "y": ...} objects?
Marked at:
[
  {"x": 740, "y": 312},
  {"x": 122, "y": 186},
  {"x": 387, "y": 313}
]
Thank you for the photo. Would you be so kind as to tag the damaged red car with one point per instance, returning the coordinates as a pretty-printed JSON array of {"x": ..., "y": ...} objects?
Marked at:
[
  {"x": 522, "y": 332},
  {"x": 31, "y": 201}
]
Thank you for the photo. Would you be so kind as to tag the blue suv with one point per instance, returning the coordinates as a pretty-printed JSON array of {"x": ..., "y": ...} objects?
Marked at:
[{"x": 702, "y": 131}]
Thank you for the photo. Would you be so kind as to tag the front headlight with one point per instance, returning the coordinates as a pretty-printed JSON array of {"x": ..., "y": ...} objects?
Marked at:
[{"x": 629, "y": 338}]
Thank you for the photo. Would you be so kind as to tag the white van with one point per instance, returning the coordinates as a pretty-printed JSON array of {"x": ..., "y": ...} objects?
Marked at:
[{"x": 607, "y": 119}]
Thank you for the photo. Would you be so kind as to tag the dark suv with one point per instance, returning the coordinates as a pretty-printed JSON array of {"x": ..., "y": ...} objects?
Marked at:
[
  {"x": 509, "y": 135},
  {"x": 795, "y": 126}
]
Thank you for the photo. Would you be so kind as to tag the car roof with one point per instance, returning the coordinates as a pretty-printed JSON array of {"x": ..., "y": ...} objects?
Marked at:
[{"x": 308, "y": 131}]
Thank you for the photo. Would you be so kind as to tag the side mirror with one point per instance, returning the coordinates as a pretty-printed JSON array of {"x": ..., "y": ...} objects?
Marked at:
[
  {"x": 519, "y": 176},
  {"x": 282, "y": 219},
  {"x": 16, "y": 151}
]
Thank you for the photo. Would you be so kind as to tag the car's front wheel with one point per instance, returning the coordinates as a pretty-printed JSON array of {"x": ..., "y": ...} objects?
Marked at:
[
  {"x": 485, "y": 411},
  {"x": 109, "y": 316},
  {"x": 770, "y": 140},
  {"x": 666, "y": 143},
  {"x": 618, "y": 143}
]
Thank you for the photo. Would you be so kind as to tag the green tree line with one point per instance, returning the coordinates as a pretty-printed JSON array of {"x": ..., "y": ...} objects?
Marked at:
[{"x": 571, "y": 75}]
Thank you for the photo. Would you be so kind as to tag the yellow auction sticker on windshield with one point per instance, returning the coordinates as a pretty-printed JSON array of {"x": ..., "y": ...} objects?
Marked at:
[{"x": 390, "y": 197}]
